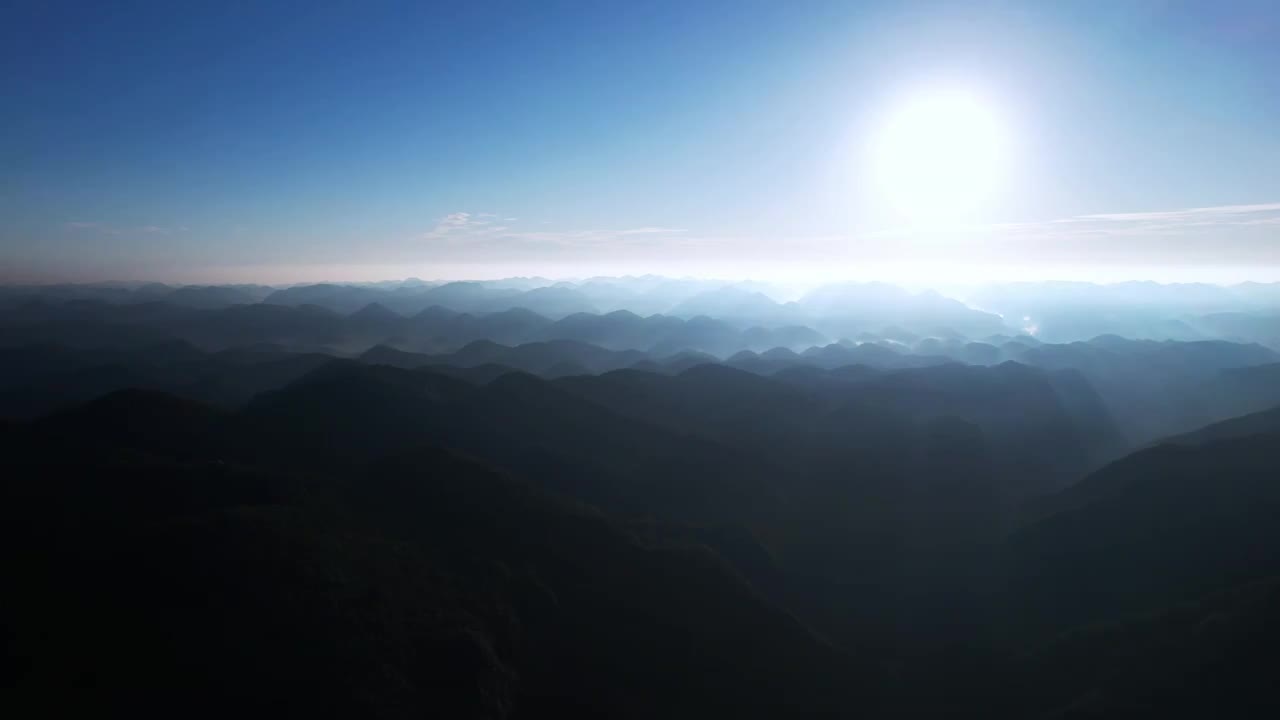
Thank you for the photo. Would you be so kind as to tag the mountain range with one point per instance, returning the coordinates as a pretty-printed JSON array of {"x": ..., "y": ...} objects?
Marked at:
[{"x": 506, "y": 514}]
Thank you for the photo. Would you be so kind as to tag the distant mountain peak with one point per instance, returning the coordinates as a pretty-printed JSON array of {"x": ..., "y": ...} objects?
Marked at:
[
  {"x": 375, "y": 311},
  {"x": 435, "y": 312}
]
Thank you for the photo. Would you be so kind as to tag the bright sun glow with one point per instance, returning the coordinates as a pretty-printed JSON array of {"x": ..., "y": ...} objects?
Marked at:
[{"x": 939, "y": 158}]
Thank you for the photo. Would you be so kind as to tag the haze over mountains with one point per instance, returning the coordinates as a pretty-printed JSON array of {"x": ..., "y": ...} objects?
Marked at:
[
  {"x": 1189, "y": 354},
  {"x": 1051, "y": 311},
  {"x": 642, "y": 497}
]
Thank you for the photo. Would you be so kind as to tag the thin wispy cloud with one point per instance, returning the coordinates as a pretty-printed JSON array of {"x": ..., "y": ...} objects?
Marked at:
[
  {"x": 465, "y": 229},
  {"x": 1165, "y": 222},
  {"x": 118, "y": 230},
  {"x": 1236, "y": 233},
  {"x": 1218, "y": 213},
  {"x": 91, "y": 226},
  {"x": 1154, "y": 223},
  {"x": 653, "y": 231}
]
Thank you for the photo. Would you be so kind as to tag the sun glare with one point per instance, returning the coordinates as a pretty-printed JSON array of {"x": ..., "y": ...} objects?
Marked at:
[{"x": 939, "y": 158}]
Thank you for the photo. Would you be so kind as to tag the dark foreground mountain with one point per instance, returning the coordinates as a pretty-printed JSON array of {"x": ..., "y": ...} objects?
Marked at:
[
  {"x": 148, "y": 577},
  {"x": 1151, "y": 589},
  {"x": 374, "y": 541},
  {"x": 1169, "y": 524},
  {"x": 1266, "y": 422}
]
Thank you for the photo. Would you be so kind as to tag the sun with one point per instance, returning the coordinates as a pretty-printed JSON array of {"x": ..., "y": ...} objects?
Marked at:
[{"x": 939, "y": 158}]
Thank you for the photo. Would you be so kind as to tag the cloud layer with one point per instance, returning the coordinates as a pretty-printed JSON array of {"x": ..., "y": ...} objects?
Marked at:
[
  {"x": 464, "y": 230},
  {"x": 1199, "y": 235}
]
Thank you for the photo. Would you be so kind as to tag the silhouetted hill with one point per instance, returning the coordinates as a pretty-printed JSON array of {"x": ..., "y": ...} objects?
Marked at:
[
  {"x": 657, "y": 334},
  {"x": 1048, "y": 427},
  {"x": 1240, "y": 390},
  {"x": 217, "y": 296},
  {"x": 467, "y": 297},
  {"x": 340, "y": 299},
  {"x": 375, "y": 314},
  {"x": 728, "y": 302},
  {"x": 1190, "y": 659},
  {"x": 1243, "y": 327},
  {"x": 138, "y": 419},
  {"x": 305, "y": 327},
  {"x": 386, "y": 355},
  {"x": 476, "y": 374},
  {"x": 521, "y": 423},
  {"x": 36, "y": 380},
  {"x": 40, "y": 379},
  {"x": 438, "y": 329},
  {"x": 420, "y": 584},
  {"x": 617, "y": 330},
  {"x": 462, "y": 297},
  {"x": 1164, "y": 525},
  {"x": 1266, "y": 422},
  {"x": 1063, "y": 312},
  {"x": 1155, "y": 389},
  {"x": 552, "y": 301},
  {"x": 548, "y": 359},
  {"x": 902, "y": 475},
  {"x": 844, "y": 310}
]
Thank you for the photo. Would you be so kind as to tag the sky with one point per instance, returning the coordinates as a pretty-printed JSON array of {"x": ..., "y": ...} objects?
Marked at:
[{"x": 288, "y": 142}]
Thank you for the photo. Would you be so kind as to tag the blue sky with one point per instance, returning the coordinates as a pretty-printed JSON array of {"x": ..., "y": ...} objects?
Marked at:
[{"x": 284, "y": 141}]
